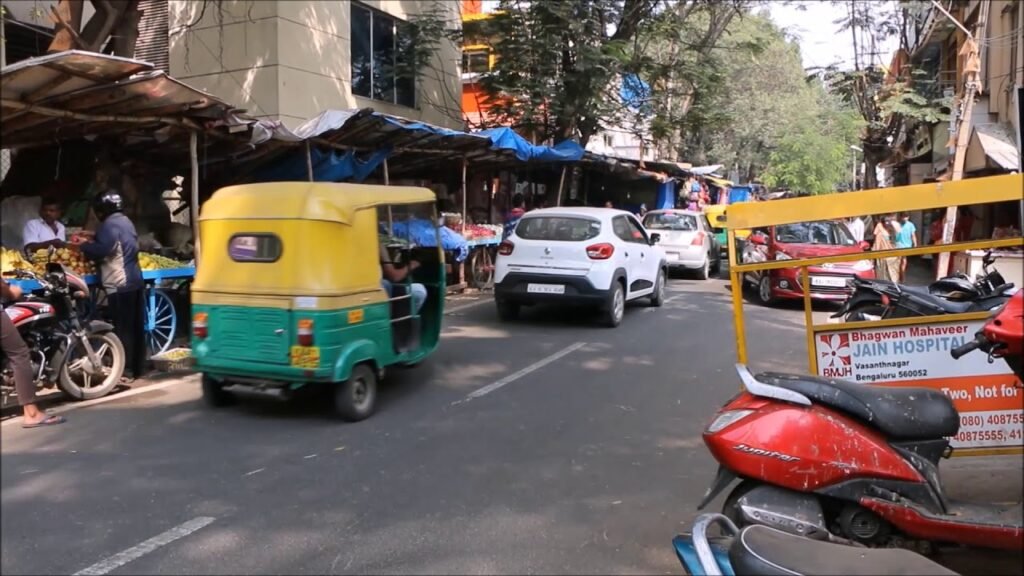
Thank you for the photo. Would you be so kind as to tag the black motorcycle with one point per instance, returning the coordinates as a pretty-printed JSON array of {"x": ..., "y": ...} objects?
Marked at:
[
  {"x": 85, "y": 359},
  {"x": 955, "y": 294}
]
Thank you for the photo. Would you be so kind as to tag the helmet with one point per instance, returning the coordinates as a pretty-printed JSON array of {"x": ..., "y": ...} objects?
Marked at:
[{"x": 107, "y": 203}]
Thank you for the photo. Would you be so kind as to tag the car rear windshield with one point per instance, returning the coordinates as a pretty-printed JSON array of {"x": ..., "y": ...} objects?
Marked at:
[
  {"x": 558, "y": 228},
  {"x": 831, "y": 233},
  {"x": 671, "y": 221}
]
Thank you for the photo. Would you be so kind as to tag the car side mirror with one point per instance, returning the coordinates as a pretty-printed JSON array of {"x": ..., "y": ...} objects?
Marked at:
[
  {"x": 655, "y": 238},
  {"x": 864, "y": 245}
]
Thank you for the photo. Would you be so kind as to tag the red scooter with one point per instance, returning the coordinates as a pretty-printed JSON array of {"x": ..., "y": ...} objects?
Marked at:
[{"x": 839, "y": 461}]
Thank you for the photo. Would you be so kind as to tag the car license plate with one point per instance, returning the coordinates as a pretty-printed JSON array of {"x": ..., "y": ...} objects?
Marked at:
[
  {"x": 674, "y": 256},
  {"x": 545, "y": 288},
  {"x": 830, "y": 281},
  {"x": 305, "y": 356}
]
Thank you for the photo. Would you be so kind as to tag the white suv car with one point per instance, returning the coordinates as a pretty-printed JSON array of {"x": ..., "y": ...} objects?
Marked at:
[{"x": 580, "y": 256}]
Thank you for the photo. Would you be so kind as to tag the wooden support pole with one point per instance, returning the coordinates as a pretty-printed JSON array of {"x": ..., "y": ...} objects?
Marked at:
[
  {"x": 193, "y": 150},
  {"x": 391, "y": 216},
  {"x": 309, "y": 161},
  {"x": 561, "y": 185},
  {"x": 465, "y": 192}
]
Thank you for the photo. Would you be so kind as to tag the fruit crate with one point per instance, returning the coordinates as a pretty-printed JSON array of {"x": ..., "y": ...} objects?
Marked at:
[{"x": 174, "y": 360}]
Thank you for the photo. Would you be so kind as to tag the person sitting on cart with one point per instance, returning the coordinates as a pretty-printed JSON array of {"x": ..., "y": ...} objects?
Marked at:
[
  {"x": 393, "y": 274},
  {"x": 45, "y": 231}
]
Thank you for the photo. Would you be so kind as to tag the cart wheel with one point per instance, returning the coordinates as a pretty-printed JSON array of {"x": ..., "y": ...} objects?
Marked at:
[
  {"x": 161, "y": 321},
  {"x": 482, "y": 268}
]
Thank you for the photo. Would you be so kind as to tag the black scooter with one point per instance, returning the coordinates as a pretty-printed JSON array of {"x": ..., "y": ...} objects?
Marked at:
[{"x": 956, "y": 294}]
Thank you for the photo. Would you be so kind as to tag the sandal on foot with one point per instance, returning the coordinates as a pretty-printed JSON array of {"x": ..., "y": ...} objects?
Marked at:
[{"x": 48, "y": 421}]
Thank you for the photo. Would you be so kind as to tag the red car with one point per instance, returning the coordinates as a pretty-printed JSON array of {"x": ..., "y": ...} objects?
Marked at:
[{"x": 806, "y": 240}]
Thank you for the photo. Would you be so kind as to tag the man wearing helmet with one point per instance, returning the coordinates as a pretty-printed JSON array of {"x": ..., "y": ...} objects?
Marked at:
[{"x": 116, "y": 250}]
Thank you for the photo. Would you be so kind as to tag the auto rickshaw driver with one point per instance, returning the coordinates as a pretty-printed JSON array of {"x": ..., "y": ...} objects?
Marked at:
[{"x": 392, "y": 273}]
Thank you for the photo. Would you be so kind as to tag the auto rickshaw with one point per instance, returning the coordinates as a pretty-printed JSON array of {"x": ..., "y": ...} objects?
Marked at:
[
  {"x": 288, "y": 292},
  {"x": 716, "y": 216}
]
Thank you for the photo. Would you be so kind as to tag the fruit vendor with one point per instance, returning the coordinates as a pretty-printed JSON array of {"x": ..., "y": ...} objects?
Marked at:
[
  {"x": 45, "y": 231},
  {"x": 116, "y": 250}
]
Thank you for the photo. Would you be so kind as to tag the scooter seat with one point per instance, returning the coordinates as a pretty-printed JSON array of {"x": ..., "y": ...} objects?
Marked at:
[
  {"x": 899, "y": 413},
  {"x": 770, "y": 552},
  {"x": 939, "y": 303}
]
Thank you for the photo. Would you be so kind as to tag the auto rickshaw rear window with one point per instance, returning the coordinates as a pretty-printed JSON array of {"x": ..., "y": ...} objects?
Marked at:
[{"x": 254, "y": 248}]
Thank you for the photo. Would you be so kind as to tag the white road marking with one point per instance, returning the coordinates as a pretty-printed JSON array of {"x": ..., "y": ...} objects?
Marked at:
[
  {"x": 135, "y": 552},
  {"x": 256, "y": 471},
  {"x": 111, "y": 398},
  {"x": 531, "y": 368}
]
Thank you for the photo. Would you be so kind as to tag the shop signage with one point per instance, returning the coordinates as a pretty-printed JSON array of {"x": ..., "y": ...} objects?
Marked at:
[{"x": 987, "y": 395}]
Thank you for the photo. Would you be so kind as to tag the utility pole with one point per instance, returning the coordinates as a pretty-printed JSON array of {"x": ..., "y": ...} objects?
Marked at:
[{"x": 972, "y": 83}]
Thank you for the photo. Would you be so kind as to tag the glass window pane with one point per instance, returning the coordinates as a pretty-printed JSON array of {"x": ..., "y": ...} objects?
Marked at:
[
  {"x": 254, "y": 248},
  {"x": 405, "y": 81},
  {"x": 558, "y": 228},
  {"x": 383, "y": 57},
  {"x": 361, "y": 61}
]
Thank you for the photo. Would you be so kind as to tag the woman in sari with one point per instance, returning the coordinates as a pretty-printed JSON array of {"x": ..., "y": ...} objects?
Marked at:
[{"x": 886, "y": 268}]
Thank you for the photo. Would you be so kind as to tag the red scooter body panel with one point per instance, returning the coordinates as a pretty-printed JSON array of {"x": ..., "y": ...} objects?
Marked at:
[
  {"x": 803, "y": 448},
  {"x": 1007, "y": 327},
  {"x": 920, "y": 525}
]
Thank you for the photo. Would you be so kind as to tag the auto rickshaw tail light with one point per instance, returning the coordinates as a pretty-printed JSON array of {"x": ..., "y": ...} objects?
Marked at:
[
  {"x": 199, "y": 324},
  {"x": 305, "y": 332},
  {"x": 601, "y": 251},
  {"x": 505, "y": 248}
]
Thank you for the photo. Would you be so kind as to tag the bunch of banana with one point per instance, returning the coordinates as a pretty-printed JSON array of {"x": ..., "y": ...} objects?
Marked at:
[
  {"x": 156, "y": 262},
  {"x": 11, "y": 260}
]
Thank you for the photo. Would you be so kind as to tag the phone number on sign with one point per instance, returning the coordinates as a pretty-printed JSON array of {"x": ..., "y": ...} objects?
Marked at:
[{"x": 987, "y": 429}]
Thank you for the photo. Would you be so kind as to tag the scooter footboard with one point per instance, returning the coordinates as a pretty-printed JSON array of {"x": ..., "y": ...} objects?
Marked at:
[
  {"x": 786, "y": 510},
  {"x": 985, "y": 526}
]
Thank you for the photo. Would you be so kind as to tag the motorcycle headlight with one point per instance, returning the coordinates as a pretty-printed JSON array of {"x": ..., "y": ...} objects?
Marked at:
[
  {"x": 782, "y": 256},
  {"x": 727, "y": 419},
  {"x": 863, "y": 265}
]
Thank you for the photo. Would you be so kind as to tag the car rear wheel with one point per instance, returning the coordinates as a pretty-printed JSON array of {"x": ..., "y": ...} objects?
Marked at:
[
  {"x": 507, "y": 311},
  {"x": 615, "y": 309},
  {"x": 658, "y": 296},
  {"x": 764, "y": 290}
]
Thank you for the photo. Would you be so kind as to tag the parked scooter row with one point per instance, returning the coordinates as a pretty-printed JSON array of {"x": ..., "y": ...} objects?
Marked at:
[
  {"x": 882, "y": 299},
  {"x": 829, "y": 467}
]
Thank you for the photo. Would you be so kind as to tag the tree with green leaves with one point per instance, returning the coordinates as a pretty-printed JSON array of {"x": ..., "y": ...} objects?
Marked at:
[{"x": 885, "y": 100}]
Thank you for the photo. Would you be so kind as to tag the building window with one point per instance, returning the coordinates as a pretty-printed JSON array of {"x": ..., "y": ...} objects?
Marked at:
[
  {"x": 608, "y": 140},
  {"x": 476, "y": 61},
  {"x": 382, "y": 57}
]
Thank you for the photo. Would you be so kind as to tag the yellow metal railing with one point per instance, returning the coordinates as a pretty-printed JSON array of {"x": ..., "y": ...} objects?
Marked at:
[{"x": 749, "y": 215}]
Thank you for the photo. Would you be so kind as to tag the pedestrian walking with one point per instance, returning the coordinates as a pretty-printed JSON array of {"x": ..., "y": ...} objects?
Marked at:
[
  {"x": 856, "y": 227},
  {"x": 885, "y": 268},
  {"x": 16, "y": 351},
  {"x": 905, "y": 238}
]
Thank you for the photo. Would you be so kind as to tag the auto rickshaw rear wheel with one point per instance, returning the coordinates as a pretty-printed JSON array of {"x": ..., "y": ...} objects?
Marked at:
[
  {"x": 214, "y": 394},
  {"x": 356, "y": 398}
]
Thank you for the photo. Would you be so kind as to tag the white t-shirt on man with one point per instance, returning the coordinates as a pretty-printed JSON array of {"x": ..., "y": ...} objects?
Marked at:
[
  {"x": 36, "y": 231},
  {"x": 856, "y": 227}
]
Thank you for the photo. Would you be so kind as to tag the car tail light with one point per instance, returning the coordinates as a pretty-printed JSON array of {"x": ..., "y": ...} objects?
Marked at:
[
  {"x": 305, "y": 332},
  {"x": 698, "y": 239},
  {"x": 505, "y": 248},
  {"x": 602, "y": 251},
  {"x": 199, "y": 324}
]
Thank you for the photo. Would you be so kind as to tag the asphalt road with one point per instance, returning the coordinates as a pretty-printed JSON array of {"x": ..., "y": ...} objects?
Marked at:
[{"x": 548, "y": 445}]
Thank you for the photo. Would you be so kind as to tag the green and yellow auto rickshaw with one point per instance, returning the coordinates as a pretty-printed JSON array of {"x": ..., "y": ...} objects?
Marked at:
[{"x": 289, "y": 293}]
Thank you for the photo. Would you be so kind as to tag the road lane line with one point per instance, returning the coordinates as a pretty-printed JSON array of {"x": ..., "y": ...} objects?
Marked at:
[
  {"x": 462, "y": 307},
  {"x": 531, "y": 368},
  {"x": 135, "y": 552},
  {"x": 105, "y": 399}
]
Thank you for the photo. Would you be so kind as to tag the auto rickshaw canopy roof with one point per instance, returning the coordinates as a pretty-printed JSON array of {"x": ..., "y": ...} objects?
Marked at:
[{"x": 324, "y": 201}]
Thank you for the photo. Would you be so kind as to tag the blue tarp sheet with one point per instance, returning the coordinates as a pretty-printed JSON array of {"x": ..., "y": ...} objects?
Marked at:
[
  {"x": 421, "y": 233},
  {"x": 507, "y": 139},
  {"x": 666, "y": 195},
  {"x": 739, "y": 194},
  {"x": 329, "y": 166}
]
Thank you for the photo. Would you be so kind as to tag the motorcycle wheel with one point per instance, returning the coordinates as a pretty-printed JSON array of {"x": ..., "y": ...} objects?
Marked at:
[{"x": 77, "y": 383}]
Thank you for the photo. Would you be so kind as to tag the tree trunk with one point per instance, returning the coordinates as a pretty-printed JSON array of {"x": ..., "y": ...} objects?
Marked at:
[
  {"x": 102, "y": 24},
  {"x": 126, "y": 31},
  {"x": 870, "y": 179},
  {"x": 67, "y": 17}
]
